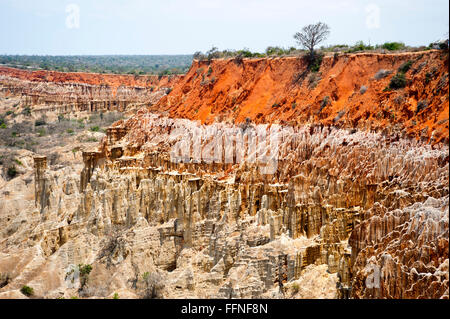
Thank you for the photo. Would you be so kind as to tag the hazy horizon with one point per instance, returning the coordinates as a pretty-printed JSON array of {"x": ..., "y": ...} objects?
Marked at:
[
  {"x": 176, "y": 27},
  {"x": 103, "y": 55}
]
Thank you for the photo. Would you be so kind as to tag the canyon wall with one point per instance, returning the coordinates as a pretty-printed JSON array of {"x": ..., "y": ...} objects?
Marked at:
[
  {"x": 73, "y": 92},
  {"x": 242, "y": 183},
  {"x": 347, "y": 91},
  {"x": 330, "y": 184}
]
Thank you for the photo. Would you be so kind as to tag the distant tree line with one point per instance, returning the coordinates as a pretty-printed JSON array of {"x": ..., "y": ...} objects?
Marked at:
[
  {"x": 116, "y": 64},
  {"x": 274, "y": 51},
  {"x": 308, "y": 39}
]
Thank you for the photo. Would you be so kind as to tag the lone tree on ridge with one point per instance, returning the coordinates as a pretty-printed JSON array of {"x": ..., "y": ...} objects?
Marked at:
[{"x": 311, "y": 35}]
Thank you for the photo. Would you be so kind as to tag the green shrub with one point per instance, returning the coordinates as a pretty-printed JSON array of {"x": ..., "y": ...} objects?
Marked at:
[
  {"x": 246, "y": 53},
  {"x": 26, "y": 111},
  {"x": 428, "y": 76},
  {"x": 398, "y": 81},
  {"x": 84, "y": 269},
  {"x": 41, "y": 132},
  {"x": 278, "y": 51},
  {"x": 11, "y": 172},
  {"x": 360, "y": 46},
  {"x": 314, "y": 64},
  {"x": 405, "y": 67},
  {"x": 116, "y": 295},
  {"x": 422, "y": 105},
  {"x": 27, "y": 291},
  {"x": 443, "y": 46},
  {"x": 258, "y": 55},
  {"x": 40, "y": 122},
  {"x": 95, "y": 128},
  {"x": 324, "y": 103},
  {"x": 313, "y": 79},
  {"x": 274, "y": 51},
  {"x": 393, "y": 46},
  {"x": 337, "y": 47},
  {"x": 9, "y": 112},
  {"x": 382, "y": 73}
]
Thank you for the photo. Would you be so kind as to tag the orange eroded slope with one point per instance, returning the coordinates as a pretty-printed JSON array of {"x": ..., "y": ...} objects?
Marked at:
[{"x": 273, "y": 90}]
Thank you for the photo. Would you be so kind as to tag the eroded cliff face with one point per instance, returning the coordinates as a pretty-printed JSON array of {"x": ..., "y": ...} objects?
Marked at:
[
  {"x": 51, "y": 91},
  {"x": 287, "y": 204},
  {"x": 326, "y": 188},
  {"x": 111, "y": 80},
  {"x": 347, "y": 91}
]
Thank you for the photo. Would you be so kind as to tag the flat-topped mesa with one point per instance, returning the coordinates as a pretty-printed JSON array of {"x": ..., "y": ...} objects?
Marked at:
[
  {"x": 91, "y": 160},
  {"x": 40, "y": 196}
]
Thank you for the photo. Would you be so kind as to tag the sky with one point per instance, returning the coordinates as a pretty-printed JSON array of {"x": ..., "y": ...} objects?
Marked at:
[{"x": 78, "y": 27}]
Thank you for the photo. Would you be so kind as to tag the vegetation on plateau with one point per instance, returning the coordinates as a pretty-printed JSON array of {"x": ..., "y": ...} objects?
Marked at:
[{"x": 116, "y": 64}]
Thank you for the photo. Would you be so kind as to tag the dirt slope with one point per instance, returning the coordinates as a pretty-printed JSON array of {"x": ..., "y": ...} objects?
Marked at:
[{"x": 344, "y": 93}]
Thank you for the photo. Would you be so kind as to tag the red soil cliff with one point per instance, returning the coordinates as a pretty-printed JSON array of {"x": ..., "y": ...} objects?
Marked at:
[
  {"x": 112, "y": 80},
  {"x": 343, "y": 93}
]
